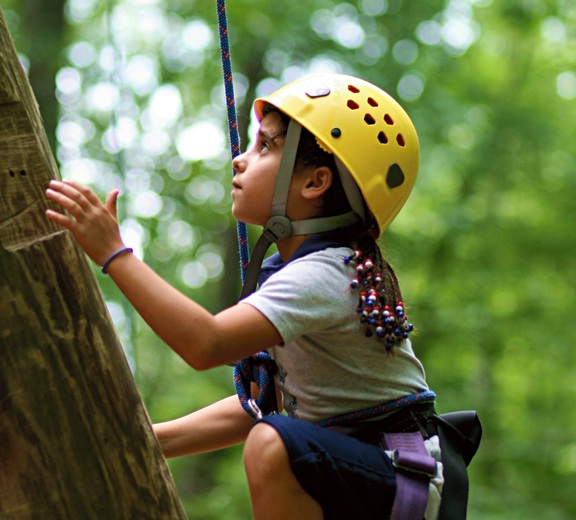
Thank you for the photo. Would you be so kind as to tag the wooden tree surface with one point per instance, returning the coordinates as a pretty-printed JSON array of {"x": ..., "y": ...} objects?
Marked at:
[{"x": 75, "y": 438}]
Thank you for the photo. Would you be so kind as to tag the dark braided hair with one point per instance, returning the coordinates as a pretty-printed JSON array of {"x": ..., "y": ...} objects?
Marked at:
[{"x": 380, "y": 303}]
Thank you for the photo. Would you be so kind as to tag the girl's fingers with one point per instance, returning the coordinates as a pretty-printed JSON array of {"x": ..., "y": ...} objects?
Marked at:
[
  {"x": 83, "y": 191},
  {"x": 93, "y": 225},
  {"x": 63, "y": 200},
  {"x": 59, "y": 218},
  {"x": 111, "y": 203},
  {"x": 74, "y": 197},
  {"x": 68, "y": 197}
]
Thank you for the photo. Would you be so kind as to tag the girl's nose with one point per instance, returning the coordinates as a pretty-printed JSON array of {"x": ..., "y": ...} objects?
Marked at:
[{"x": 239, "y": 163}]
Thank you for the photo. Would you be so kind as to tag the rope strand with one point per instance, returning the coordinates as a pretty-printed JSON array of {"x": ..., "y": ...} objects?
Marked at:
[
  {"x": 259, "y": 368},
  {"x": 241, "y": 229}
]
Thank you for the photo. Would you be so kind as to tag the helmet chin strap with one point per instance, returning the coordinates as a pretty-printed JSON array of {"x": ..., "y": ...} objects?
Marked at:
[{"x": 279, "y": 226}]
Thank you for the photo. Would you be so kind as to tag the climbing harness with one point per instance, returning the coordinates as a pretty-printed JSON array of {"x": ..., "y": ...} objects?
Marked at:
[
  {"x": 379, "y": 410},
  {"x": 414, "y": 469}
]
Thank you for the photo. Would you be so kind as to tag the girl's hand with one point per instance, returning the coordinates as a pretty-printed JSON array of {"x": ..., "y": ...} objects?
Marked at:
[{"x": 93, "y": 224}]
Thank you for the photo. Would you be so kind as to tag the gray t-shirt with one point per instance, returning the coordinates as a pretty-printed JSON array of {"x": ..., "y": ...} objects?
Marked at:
[{"x": 327, "y": 366}]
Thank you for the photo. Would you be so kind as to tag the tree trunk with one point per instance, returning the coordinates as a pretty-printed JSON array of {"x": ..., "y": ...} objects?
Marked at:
[{"x": 75, "y": 438}]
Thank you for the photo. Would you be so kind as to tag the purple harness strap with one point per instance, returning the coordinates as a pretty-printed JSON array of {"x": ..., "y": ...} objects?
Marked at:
[{"x": 414, "y": 469}]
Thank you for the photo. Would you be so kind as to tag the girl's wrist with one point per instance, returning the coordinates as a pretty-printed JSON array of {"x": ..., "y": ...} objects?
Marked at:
[{"x": 113, "y": 256}]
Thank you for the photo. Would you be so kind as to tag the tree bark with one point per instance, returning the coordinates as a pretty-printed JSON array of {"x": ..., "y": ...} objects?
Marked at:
[{"x": 75, "y": 438}]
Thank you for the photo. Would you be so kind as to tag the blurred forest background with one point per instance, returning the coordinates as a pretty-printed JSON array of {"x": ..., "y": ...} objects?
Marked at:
[{"x": 132, "y": 97}]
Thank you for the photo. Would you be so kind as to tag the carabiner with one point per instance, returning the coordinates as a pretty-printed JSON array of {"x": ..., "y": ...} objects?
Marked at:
[{"x": 255, "y": 409}]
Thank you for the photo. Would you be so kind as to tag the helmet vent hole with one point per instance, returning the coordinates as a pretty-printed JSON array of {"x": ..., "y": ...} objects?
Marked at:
[
  {"x": 400, "y": 140},
  {"x": 388, "y": 119},
  {"x": 369, "y": 120},
  {"x": 354, "y": 89},
  {"x": 353, "y": 105},
  {"x": 372, "y": 102},
  {"x": 382, "y": 138},
  {"x": 395, "y": 176}
]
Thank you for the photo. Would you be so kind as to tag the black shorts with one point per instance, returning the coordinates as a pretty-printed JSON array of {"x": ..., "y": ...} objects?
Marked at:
[{"x": 350, "y": 479}]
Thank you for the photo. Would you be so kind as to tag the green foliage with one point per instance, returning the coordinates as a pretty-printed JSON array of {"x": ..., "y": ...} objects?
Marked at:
[{"x": 483, "y": 248}]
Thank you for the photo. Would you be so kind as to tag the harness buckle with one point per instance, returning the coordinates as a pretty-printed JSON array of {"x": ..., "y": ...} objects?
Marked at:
[{"x": 414, "y": 463}]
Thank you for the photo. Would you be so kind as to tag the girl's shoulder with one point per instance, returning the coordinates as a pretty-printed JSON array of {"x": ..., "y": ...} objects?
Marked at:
[{"x": 326, "y": 268}]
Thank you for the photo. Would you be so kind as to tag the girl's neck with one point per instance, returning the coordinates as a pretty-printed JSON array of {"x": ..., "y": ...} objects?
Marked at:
[{"x": 288, "y": 246}]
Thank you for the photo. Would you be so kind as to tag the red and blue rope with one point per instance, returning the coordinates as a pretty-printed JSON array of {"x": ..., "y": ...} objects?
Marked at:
[
  {"x": 259, "y": 368},
  {"x": 232, "y": 123}
]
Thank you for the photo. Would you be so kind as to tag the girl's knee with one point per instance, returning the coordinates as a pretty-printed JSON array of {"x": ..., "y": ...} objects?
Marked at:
[
  {"x": 274, "y": 490},
  {"x": 264, "y": 448}
]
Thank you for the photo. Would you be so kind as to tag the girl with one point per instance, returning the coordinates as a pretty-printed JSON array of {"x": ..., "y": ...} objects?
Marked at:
[{"x": 334, "y": 161}]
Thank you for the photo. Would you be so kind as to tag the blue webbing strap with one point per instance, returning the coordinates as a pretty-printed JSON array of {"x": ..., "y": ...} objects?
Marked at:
[{"x": 381, "y": 409}]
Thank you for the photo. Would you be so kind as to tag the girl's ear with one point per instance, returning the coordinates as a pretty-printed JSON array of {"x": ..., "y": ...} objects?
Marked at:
[{"x": 317, "y": 182}]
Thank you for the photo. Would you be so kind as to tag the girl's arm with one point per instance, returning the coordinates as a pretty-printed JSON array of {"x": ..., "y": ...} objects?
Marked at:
[
  {"x": 203, "y": 340},
  {"x": 217, "y": 426}
]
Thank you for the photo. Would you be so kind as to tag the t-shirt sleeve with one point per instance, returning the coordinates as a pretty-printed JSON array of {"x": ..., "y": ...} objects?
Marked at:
[{"x": 308, "y": 295}]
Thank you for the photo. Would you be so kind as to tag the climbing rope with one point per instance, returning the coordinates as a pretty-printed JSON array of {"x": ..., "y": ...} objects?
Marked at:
[
  {"x": 259, "y": 368},
  {"x": 232, "y": 123}
]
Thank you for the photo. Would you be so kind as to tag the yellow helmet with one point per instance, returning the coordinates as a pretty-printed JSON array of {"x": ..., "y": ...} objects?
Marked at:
[{"x": 368, "y": 132}]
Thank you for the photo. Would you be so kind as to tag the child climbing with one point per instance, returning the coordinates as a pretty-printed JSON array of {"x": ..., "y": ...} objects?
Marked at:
[{"x": 333, "y": 162}]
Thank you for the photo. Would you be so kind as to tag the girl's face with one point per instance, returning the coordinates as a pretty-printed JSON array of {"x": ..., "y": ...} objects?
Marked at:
[{"x": 256, "y": 171}]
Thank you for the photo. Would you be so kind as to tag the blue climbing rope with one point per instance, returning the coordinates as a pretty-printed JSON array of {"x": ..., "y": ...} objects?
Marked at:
[
  {"x": 232, "y": 123},
  {"x": 259, "y": 368}
]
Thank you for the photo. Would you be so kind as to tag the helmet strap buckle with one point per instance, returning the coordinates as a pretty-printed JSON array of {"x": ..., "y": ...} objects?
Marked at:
[{"x": 277, "y": 228}]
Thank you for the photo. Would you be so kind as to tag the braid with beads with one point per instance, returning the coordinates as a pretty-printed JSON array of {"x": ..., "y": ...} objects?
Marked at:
[{"x": 380, "y": 303}]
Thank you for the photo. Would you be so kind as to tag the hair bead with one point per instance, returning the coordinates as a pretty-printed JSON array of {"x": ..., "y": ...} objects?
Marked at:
[{"x": 380, "y": 305}]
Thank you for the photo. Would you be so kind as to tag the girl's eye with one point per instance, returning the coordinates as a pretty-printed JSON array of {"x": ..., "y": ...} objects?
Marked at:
[{"x": 263, "y": 147}]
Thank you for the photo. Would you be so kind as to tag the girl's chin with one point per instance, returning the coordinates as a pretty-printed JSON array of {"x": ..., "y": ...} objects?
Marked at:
[{"x": 246, "y": 219}]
